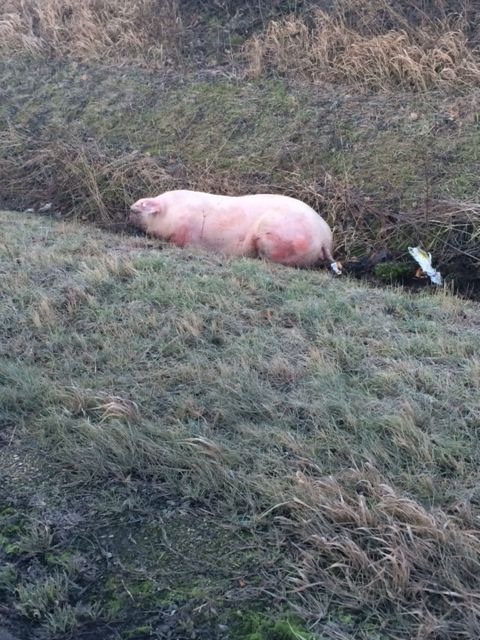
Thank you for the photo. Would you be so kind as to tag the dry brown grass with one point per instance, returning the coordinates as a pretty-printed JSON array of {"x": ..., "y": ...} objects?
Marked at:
[
  {"x": 361, "y": 48},
  {"x": 87, "y": 183},
  {"x": 447, "y": 227},
  {"x": 358, "y": 540},
  {"x": 377, "y": 44},
  {"x": 92, "y": 30},
  {"x": 80, "y": 180}
]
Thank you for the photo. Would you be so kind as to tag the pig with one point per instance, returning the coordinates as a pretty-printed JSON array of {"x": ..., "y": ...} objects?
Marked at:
[{"x": 277, "y": 228}]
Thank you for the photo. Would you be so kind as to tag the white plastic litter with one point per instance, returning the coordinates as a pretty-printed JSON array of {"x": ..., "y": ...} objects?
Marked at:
[
  {"x": 336, "y": 268},
  {"x": 424, "y": 259}
]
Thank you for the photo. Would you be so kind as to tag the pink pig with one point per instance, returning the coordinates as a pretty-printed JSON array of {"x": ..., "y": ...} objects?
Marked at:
[{"x": 275, "y": 227}]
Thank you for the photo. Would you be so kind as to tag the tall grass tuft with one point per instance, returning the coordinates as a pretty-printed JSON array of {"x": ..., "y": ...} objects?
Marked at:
[
  {"x": 93, "y": 30},
  {"x": 369, "y": 44}
]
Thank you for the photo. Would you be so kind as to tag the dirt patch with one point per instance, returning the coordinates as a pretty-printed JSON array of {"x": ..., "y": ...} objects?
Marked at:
[{"x": 148, "y": 567}]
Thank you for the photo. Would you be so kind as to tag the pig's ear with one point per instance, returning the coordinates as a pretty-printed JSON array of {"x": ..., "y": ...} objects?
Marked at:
[{"x": 147, "y": 205}]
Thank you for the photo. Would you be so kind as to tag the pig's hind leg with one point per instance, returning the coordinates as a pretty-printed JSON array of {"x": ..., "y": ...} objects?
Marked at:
[{"x": 277, "y": 248}]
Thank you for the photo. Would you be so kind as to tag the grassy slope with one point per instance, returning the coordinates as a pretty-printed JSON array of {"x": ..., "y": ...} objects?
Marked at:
[
  {"x": 197, "y": 437},
  {"x": 70, "y": 132},
  {"x": 264, "y": 127}
]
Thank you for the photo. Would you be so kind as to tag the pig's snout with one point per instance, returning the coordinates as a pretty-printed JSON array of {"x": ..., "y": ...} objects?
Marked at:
[
  {"x": 136, "y": 209},
  {"x": 133, "y": 215}
]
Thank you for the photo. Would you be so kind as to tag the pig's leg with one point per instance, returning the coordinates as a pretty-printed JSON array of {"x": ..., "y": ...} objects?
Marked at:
[{"x": 283, "y": 249}]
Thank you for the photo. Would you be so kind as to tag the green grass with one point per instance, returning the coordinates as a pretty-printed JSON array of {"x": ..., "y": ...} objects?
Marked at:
[
  {"x": 187, "y": 433},
  {"x": 268, "y": 131}
]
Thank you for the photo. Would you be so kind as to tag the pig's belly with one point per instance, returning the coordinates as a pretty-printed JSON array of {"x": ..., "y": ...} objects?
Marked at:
[
  {"x": 242, "y": 244},
  {"x": 231, "y": 235}
]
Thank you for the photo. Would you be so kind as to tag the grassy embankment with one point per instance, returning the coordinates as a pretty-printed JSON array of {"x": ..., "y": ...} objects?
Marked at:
[
  {"x": 226, "y": 448},
  {"x": 369, "y": 113},
  {"x": 231, "y": 433}
]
